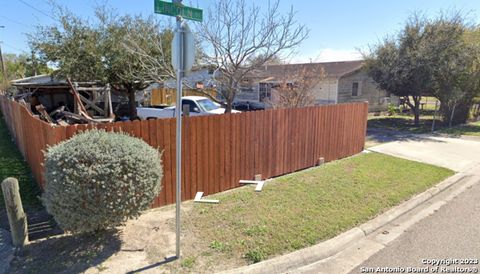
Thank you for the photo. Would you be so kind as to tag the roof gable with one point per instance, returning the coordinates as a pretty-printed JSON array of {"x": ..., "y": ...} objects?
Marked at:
[{"x": 331, "y": 69}]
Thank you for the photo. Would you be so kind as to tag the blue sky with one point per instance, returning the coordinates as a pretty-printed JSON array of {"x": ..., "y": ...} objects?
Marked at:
[{"x": 338, "y": 28}]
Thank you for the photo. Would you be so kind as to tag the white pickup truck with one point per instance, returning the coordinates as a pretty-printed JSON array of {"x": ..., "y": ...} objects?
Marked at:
[{"x": 198, "y": 106}]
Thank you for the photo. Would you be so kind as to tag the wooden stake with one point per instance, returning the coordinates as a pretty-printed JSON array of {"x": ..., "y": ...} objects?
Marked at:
[
  {"x": 321, "y": 161},
  {"x": 16, "y": 215}
]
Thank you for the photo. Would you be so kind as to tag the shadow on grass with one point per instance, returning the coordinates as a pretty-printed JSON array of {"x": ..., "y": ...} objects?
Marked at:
[
  {"x": 404, "y": 124},
  {"x": 12, "y": 164},
  {"x": 387, "y": 135},
  {"x": 468, "y": 129},
  {"x": 67, "y": 254}
]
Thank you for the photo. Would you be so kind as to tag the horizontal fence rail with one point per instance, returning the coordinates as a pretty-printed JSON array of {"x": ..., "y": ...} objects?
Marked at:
[{"x": 218, "y": 150}]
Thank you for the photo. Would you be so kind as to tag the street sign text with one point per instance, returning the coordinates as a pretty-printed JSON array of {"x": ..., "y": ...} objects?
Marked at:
[{"x": 174, "y": 9}]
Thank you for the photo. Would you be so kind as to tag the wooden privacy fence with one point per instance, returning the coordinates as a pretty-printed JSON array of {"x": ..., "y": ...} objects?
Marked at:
[{"x": 218, "y": 150}]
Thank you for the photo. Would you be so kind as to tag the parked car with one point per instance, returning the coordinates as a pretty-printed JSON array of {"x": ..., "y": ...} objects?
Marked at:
[
  {"x": 248, "y": 106},
  {"x": 197, "y": 105}
]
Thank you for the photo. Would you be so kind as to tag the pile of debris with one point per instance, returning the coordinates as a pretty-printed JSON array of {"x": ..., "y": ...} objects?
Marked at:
[{"x": 63, "y": 102}]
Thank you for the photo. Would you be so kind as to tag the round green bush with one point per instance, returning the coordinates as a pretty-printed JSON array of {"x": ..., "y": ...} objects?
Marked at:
[{"x": 98, "y": 180}]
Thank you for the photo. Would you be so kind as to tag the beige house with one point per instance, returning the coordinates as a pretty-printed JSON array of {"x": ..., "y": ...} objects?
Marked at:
[{"x": 341, "y": 82}]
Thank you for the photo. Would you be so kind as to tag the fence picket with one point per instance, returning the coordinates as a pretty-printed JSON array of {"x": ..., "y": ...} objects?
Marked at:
[{"x": 219, "y": 150}]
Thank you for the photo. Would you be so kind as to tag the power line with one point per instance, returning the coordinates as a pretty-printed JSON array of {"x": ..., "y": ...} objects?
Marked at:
[
  {"x": 16, "y": 22},
  {"x": 12, "y": 47},
  {"x": 38, "y": 10}
]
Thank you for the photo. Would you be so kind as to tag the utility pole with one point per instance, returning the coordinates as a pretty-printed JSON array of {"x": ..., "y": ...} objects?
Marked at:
[{"x": 4, "y": 70}]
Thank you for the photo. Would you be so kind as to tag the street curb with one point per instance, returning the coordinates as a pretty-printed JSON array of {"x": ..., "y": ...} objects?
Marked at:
[
  {"x": 303, "y": 256},
  {"x": 323, "y": 250}
]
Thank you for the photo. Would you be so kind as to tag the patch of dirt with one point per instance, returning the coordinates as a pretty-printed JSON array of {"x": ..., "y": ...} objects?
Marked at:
[
  {"x": 145, "y": 245},
  {"x": 138, "y": 245},
  {"x": 66, "y": 253},
  {"x": 146, "y": 242},
  {"x": 148, "y": 246}
]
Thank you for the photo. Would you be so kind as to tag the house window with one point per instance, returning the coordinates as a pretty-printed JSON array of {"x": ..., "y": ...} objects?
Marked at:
[
  {"x": 265, "y": 92},
  {"x": 211, "y": 70},
  {"x": 355, "y": 89}
]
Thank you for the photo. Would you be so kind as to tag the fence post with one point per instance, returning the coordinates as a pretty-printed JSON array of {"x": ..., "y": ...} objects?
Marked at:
[
  {"x": 186, "y": 110},
  {"x": 16, "y": 216}
]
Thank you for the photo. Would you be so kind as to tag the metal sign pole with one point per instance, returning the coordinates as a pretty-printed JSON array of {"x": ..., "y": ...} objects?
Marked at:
[
  {"x": 183, "y": 57},
  {"x": 178, "y": 116}
]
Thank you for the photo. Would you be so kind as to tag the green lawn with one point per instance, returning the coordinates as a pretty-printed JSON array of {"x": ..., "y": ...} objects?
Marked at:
[
  {"x": 404, "y": 123},
  {"x": 472, "y": 129},
  {"x": 13, "y": 165},
  {"x": 301, "y": 209}
]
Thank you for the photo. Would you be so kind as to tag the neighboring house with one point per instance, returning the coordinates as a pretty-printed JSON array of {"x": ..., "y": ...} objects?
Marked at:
[
  {"x": 341, "y": 82},
  {"x": 165, "y": 93},
  {"x": 199, "y": 76}
]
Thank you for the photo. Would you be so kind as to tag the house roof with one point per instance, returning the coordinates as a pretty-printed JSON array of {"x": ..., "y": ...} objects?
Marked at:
[
  {"x": 331, "y": 69},
  {"x": 43, "y": 79}
]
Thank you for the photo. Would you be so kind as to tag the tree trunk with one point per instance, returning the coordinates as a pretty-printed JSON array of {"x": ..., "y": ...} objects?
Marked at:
[
  {"x": 416, "y": 113},
  {"x": 450, "y": 121},
  {"x": 131, "y": 103},
  {"x": 229, "y": 101},
  {"x": 228, "y": 106},
  {"x": 415, "y": 107}
]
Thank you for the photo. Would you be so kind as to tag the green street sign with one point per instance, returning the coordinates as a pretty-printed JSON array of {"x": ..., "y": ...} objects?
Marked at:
[{"x": 174, "y": 9}]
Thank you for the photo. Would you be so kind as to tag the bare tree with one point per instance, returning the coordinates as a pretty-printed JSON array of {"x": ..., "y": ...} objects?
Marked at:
[
  {"x": 295, "y": 86},
  {"x": 157, "y": 38},
  {"x": 152, "y": 38},
  {"x": 240, "y": 38}
]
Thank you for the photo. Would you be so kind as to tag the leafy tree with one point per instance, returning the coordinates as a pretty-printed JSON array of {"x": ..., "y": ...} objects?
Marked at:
[
  {"x": 96, "y": 50},
  {"x": 396, "y": 65},
  {"x": 429, "y": 56},
  {"x": 71, "y": 45},
  {"x": 240, "y": 38},
  {"x": 125, "y": 70},
  {"x": 455, "y": 66},
  {"x": 22, "y": 65}
]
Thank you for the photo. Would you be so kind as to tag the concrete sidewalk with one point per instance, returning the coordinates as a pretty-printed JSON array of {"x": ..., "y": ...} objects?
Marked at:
[{"x": 454, "y": 153}]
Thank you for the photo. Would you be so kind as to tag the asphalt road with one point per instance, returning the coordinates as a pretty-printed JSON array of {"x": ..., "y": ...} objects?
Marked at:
[
  {"x": 452, "y": 232},
  {"x": 444, "y": 227}
]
